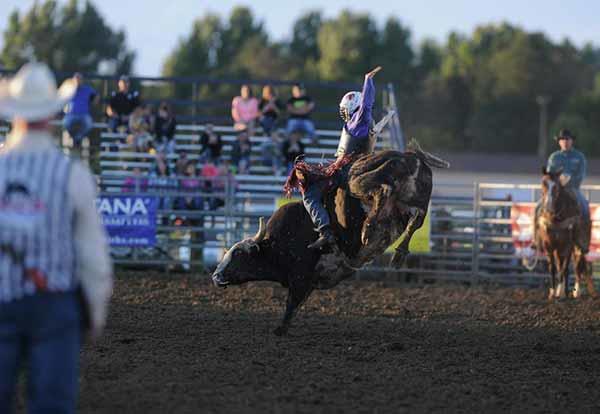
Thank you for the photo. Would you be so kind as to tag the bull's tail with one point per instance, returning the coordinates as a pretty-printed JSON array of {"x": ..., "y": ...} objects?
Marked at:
[{"x": 429, "y": 159}]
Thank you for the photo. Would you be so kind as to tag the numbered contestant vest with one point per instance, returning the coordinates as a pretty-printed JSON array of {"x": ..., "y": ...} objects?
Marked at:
[
  {"x": 356, "y": 145},
  {"x": 36, "y": 224}
]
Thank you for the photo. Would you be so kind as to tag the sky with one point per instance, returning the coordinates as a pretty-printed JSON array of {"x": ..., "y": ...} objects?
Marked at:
[{"x": 154, "y": 27}]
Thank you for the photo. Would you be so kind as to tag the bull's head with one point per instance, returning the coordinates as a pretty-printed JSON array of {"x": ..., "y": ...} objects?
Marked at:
[{"x": 239, "y": 263}]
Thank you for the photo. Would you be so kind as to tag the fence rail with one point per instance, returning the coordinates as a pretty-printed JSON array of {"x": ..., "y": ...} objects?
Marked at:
[{"x": 471, "y": 238}]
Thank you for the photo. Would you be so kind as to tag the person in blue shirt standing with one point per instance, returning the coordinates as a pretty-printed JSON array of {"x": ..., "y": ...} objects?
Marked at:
[
  {"x": 357, "y": 138},
  {"x": 78, "y": 121}
]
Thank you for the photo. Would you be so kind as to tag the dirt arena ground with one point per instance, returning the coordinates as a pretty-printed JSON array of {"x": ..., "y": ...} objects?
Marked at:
[{"x": 177, "y": 345}]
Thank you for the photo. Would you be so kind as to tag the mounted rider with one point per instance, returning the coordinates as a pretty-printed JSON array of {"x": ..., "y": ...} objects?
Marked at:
[
  {"x": 358, "y": 137},
  {"x": 572, "y": 166}
]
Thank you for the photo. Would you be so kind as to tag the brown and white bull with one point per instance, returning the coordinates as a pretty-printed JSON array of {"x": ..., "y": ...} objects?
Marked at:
[{"x": 387, "y": 195}]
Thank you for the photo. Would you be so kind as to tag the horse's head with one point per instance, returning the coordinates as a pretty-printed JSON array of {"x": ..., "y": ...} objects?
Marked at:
[{"x": 553, "y": 190}]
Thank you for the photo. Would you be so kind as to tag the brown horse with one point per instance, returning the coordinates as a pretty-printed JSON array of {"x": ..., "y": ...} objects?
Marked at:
[{"x": 559, "y": 223}]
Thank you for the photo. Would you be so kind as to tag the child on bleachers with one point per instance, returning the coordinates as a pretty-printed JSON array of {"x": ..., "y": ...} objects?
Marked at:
[
  {"x": 271, "y": 151},
  {"x": 240, "y": 153},
  {"x": 192, "y": 185},
  {"x": 164, "y": 129},
  {"x": 212, "y": 145},
  {"x": 292, "y": 148},
  {"x": 139, "y": 124}
]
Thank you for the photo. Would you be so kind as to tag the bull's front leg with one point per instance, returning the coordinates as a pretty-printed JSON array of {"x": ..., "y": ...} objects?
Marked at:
[
  {"x": 414, "y": 223},
  {"x": 298, "y": 292}
]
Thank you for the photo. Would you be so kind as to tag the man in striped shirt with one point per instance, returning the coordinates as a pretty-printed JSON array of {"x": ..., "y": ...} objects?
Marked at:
[{"x": 52, "y": 249}]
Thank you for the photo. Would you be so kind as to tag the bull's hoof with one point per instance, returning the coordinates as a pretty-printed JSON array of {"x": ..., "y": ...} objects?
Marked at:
[
  {"x": 399, "y": 258},
  {"x": 280, "y": 331}
]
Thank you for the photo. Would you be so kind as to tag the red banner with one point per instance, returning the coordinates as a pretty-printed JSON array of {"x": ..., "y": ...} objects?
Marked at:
[{"x": 521, "y": 217}]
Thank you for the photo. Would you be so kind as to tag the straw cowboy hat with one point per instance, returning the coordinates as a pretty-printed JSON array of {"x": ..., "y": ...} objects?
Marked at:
[{"x": 32, "y": 95}]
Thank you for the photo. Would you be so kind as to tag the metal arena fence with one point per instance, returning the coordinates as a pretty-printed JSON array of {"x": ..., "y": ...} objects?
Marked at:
[{"x": 470, "y": 235}]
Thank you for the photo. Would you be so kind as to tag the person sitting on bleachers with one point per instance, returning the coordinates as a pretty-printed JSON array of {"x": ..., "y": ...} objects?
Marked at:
[
  {"x": 162, "y": 181},
  {"x": 244, "y": 110},
  {"x": 292, "y": 148},
  {"x": 181, "y": 163},
  {"x": 240, "y": 153},
  {"x": 220, "y": 181},
  {"x": 164, "y": 129},
  {"x": 269, "y": 106},
  {"x": 121, "y": 104},
  {"x": 212, "y": 145},
  {"x": 190, "y": 184},
  {"x": 135, "y": 183},
  {"x": 299, "y": 108},
  {"x": 271, "y": 151},
  {"x": 140, "y": 138}
]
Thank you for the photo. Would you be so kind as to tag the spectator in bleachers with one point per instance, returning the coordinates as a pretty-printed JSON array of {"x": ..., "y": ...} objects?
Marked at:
[
  {"x": 190, "y": 184},
  {"x": 240, "y": 153},
  {"x": 211, "y": 143},
  {"x": 78, "y": 121},
  {"x": 162, "y": 181},
  {"x": 271, "y": 151},
  {"x": 164, "y": 129},
  {"x": 140, "y": 125},
  {"x": 292, "y": 148},
  {"x": 136, "y": 182},
  {"x": 270, "y": 106},
  {"x": 244, "y": 110},
  {"x": 121, "y": 104},
  {"x": 218, "y": 184},
  {"x": 181, "y": 163},
  {"x": 299, "y": 108},
  {"x": 210, "y": 174}
]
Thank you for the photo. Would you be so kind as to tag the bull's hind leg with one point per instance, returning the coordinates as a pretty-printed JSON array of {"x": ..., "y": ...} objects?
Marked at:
[
  {"x": 414, "y": 223},
  {"x": 297, "y": 295}
]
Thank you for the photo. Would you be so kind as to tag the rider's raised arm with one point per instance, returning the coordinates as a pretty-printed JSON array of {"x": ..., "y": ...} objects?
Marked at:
[{"x": 360, "y": 122}]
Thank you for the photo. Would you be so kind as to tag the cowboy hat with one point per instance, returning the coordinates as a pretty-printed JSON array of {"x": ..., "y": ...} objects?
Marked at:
[
  {"x": 32, "y": 95},
  {"x": 564, "y": 133}
]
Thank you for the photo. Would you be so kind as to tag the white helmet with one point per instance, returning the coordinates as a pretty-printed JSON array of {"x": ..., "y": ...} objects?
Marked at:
[{"x": 349, "y": 104}]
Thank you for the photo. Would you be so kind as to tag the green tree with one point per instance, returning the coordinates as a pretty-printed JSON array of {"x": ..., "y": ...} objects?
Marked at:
[
  {"x": 347, "y": 46},
  {"x": 68, "y": 38}
]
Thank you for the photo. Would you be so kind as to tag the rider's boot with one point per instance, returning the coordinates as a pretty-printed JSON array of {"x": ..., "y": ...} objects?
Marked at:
[{"x": 326, "y": 238}]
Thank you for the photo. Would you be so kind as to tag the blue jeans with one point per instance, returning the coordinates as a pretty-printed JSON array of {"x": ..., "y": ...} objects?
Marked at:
[
  {"x": 267, "y": 123},
  {"x": 313, "y": 197},
  {"x": 115, "y": 122},
  {"x": 301, "y": 124},
  {"x": 84, "y": 123},
  {"x": 45, "y": 330},
  {"x": 583, "y": 203}
]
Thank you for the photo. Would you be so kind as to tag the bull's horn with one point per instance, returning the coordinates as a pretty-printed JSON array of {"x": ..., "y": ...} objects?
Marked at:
[{"x": 262, "y": 230}]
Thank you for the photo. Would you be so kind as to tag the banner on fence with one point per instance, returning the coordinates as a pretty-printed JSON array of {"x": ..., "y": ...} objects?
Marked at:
[
  {"x": 129, "y": 220},
  {"x": 522, "y": 214}
]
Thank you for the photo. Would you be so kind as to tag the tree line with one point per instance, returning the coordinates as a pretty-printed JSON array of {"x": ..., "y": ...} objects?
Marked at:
[{"x": 474, "y": 92}]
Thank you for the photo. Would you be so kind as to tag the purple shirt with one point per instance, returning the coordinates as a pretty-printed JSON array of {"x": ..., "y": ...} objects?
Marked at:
[
  {"x": 359, "y": 124},
  {"x": 80, "y": 102}
]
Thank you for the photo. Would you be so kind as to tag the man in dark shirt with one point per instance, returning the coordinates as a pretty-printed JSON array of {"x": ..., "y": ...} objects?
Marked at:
[
  {"x": 299, "y": 107},
  {"x": 121, "y": 104},
  {"x": 211, "y": 145}
]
